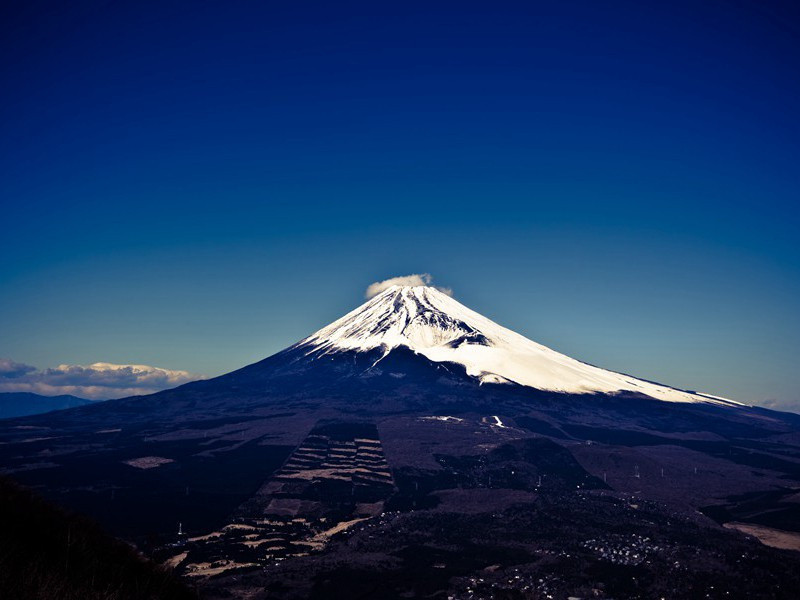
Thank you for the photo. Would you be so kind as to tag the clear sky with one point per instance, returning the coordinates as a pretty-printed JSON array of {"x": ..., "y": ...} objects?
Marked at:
[{"x": 196, "y": 185}]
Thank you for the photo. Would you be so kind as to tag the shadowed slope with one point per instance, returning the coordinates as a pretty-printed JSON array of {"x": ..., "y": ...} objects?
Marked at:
[{"x": 46, "y": 553}]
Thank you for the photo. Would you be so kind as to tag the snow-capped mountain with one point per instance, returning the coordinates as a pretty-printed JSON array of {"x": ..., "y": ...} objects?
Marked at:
[
  {"x": 434, "y": 325},
  {"x": 413, "y": 401}
]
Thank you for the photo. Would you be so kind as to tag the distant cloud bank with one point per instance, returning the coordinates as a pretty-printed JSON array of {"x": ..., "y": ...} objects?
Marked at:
[
  {"x": 98, "y": 381},
  {"x": 10, "y": 369},
  {"x": 414, "y": 279}
]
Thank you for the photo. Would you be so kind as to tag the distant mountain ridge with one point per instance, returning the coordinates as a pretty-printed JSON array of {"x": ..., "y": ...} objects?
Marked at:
[{"x": 23, "y": 404}]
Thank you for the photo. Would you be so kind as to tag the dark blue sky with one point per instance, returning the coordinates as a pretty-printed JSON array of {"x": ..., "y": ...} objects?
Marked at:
[{"x": 196, "y": 185}]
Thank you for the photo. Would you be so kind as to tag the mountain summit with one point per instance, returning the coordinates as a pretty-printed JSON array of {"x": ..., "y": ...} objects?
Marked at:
[{"x": 434, "y": 325}]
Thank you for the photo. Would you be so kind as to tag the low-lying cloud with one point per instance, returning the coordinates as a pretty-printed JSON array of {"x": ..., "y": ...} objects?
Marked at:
[
  {"x": 98, "y": 381},
  {"x": 373, "y": 289},
  {"x": 784, "y": 405}
]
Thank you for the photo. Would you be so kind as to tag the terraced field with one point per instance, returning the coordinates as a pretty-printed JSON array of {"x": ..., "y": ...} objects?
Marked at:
[{"x": 337, "y": 477}]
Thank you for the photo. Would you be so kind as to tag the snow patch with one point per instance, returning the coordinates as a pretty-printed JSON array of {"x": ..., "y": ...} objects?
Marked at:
[{"x": 148, "y": 462}]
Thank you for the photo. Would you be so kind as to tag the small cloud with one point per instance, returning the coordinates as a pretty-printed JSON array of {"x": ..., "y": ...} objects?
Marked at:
[
  {"x": 784, "y": 405},
  {"x": 405, "y": 280},
  {"x": 445, "y": 290},
  {"x": 98, "y": 381},
  {"x": 11, "y": 370}
]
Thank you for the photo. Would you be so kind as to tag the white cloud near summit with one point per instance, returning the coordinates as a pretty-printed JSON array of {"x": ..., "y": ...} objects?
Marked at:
[
  {"x": 98, "y": 381},
  {"x": 373, "y": 289}
]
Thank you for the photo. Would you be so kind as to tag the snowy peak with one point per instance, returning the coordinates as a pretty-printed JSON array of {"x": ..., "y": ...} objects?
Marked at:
[
  {"x": 417, "y": 317},
  {"x": 440, "y": 328}
]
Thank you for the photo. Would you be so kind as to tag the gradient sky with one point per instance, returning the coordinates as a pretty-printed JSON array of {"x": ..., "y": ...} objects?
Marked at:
[{"x": 196, "y": 185}]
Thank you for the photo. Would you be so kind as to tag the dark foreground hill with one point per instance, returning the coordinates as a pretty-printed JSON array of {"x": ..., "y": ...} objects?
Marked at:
[{"x": 49, "y": 554}]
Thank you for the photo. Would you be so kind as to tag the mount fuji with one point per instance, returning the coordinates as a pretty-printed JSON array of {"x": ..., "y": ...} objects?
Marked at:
[
  {"x": 434, "y": 325},
  {"x": 416, "y": 448}
]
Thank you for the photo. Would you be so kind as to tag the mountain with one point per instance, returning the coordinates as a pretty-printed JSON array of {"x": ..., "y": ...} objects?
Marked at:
[
  {"x": 20, "y": 404},
  {"x": 415, "y": 448},
  {"x": 433, "y": 325}
]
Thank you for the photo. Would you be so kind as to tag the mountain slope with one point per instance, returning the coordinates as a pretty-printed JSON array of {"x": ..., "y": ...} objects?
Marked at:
[
  {"x": 438, "y": 327},
  {"x": 47, "y": 553}
]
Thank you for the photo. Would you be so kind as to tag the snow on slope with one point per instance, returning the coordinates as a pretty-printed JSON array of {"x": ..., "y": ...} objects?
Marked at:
[{"x": 438, "y": 327}]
